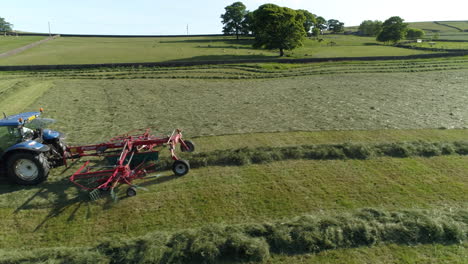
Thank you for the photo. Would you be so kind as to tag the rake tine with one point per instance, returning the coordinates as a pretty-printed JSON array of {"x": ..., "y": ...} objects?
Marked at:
[
  {"x": 113, "y": 195},
  {"x": 139, "y": 187},
  {"x": 95, "y": 195},
  {"x": 153, "y": 177}
]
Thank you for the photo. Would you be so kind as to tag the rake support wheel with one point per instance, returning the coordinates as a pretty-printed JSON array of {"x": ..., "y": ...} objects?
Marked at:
[{"x": 180, "y": 167}]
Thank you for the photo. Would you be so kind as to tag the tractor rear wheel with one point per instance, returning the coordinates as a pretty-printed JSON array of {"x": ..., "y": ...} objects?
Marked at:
[
  {"x": 180, "y": 167},
  {"x": 27, "y": 168}
]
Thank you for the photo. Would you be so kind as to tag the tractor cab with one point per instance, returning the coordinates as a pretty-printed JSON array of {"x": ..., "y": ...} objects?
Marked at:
[
  {"x": 13, "y": 131},
  {"x": 27, "y": 150},
  {"x": 25, "y": 127}
]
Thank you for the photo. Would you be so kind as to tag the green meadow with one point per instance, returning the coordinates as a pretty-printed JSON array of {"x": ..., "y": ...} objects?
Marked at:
[
  {"x": 72, "y": 50},
  {"x": 8, "y": 43}
]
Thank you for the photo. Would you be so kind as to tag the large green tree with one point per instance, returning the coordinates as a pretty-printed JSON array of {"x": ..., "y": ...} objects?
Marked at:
[
  {"x": 335, "y": 26},
  {"x": 321, "y": 23},
  {"x": 309, "y": 21},
  {"x": 4, "y": 25},
  {"x": 278, "y": 27},
  {"x": 370, "y": 28},
  {"x": 393, "y": 29},
  {"x": 233, "y": 19},
  {"x": 247, "y": 23},
  {"x": 414, "y": 33}
]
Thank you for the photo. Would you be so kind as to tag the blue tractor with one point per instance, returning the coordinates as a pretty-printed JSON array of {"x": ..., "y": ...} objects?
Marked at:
[{"x": 27, "y": 149}]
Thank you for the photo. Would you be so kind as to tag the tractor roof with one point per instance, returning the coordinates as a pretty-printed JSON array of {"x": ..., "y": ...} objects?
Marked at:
[{"x": 14, "y": 120}]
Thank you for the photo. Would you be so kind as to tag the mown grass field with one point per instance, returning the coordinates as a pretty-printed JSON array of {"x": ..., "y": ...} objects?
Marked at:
[
  {"x": 355, "y": 100},
  {"x": 69, "y": 50},
  {"x": 8, "y": 43},
  {"x": 244, "y": 106},
  {"x": 384, "y": 254}
]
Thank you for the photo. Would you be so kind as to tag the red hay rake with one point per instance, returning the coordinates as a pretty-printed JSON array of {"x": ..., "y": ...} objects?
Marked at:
[{"x": 130, "y": 157}]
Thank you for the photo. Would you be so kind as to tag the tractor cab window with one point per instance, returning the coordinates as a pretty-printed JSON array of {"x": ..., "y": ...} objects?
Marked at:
[{"x": 9, "y": 136}]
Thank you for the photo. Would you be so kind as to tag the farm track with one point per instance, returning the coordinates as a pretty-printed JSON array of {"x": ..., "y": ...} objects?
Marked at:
[{"x": 250, "y": 71}]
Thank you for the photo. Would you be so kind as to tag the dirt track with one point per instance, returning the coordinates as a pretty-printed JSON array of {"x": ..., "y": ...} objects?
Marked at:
[{"x": 18, "y": 50}]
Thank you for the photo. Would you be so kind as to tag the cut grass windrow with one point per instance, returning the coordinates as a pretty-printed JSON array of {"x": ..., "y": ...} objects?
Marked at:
[
  {"x": 252, "y": 71},
  {"x": 259, "y": 241},
  {"x": 245, "y": 156}
]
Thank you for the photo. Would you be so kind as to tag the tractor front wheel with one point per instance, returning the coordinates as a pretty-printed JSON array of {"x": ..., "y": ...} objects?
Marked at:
[
  {"x": 27, "y": 168},
  {"x": 180, "y": 167}
]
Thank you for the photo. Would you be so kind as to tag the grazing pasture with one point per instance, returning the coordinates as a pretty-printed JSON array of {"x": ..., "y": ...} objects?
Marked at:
[
  {"x": 432, "y": 27},
  {"x": 8, "y": 43},
  {"x": 72, "y": 50},
  {"x": 442, "y": 45},
  {"x": 462, "y": 25}
]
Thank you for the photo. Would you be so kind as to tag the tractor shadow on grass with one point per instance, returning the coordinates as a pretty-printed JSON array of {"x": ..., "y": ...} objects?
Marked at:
[
  {"x": 72, "y": 204},
  {"x": 60, "y": 196},
  {"x": 62, "y": 201}
]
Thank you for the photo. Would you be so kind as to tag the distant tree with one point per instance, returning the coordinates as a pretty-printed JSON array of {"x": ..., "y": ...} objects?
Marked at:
[
  {"x": 5, "y": 26},
  {"x": 320, "y": 23},
  {"x": 436, "y": 36},
  {"x": 278, "y": 28},
  {"x": 393, "y": 29},
  {"x": 247, "y": 23},
  {"x": 335, "y": 26},
  {"x": 233, "y": 18},
  {"x": 309, "y": 19},
  {"x": 370, "y": 28},
  {"x": 316, "y": 32},
  {"x": 414, "y": 33}
]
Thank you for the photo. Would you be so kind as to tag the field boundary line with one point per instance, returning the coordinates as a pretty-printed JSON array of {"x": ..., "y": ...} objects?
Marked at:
[
  {"x": 21, "y": 49},
  {"x": 450, "y": 26},
  {"x": 198, "y": 63}
]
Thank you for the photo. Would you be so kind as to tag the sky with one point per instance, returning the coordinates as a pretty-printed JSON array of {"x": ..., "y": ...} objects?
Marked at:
[{"x": 155, "y": 17}]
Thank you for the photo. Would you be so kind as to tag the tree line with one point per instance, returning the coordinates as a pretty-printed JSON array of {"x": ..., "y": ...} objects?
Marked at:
[
  {"x": 5, "y": 26},
  {"x": 282, "y": 28},
  {"x": 391, "y": 30},
  {"x": 276, "y": 27}
]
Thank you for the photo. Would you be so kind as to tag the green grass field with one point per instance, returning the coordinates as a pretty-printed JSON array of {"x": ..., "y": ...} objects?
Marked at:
[
  {"x": 454, "y": 36},
  {"x": 10, "y": 42},
  {"x": 432, "y": 27},
  {"x": 462, "y": 25},
  {"x": 443, "y": 31},
  {"x": 229, "y": 107},
  {"x": 69, "y": 50},
  {"x": 442, "y": 45}
]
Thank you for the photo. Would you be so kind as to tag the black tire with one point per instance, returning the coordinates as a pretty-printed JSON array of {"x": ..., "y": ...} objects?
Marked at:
[
  {"x": 27, "y": 168},
  {"x": 131, "y": 191},
  {"x": 190, "y": 146},
  {"x": 180, "y": 167}
]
